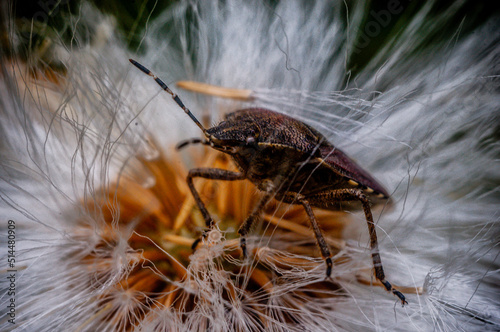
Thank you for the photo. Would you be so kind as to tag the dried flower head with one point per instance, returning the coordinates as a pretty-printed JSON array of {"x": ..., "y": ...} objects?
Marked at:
[{"x": 104, "y": 220}]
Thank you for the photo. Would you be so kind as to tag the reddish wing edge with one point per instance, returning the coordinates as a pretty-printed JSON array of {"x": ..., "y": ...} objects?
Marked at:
[{"x": 344, "y": 165}]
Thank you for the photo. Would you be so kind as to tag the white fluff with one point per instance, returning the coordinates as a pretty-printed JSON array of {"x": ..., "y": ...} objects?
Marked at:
[{"x": 422, "y": 121}]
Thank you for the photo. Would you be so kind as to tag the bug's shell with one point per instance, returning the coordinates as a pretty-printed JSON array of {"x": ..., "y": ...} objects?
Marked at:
[
  {"x": 279, "y": 131},
  {"x": 341, "y": 163}
]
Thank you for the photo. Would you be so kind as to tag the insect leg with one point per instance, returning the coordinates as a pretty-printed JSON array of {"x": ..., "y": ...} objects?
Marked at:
[
  {"x": 257, "y": 211},
  {"x": 320, "y": 239},
  {"x": 322, "y": 199},
  {"x": 293, "y": 198},
  {"x": 212, "y": 174}
]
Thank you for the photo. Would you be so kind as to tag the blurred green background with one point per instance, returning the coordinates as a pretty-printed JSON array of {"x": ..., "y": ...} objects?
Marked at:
[{"x": 42, "y": 19}]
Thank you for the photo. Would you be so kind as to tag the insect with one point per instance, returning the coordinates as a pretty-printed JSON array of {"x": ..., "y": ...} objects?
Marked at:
[{"x": 289, "y": 161}]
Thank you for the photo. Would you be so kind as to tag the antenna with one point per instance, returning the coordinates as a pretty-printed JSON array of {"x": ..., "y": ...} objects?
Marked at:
[{"x": 167, "y": 89}]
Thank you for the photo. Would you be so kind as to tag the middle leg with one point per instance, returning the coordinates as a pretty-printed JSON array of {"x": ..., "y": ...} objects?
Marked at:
[
  {"x": 293, "y": 198},
  {"x": 254, "y": 216}
]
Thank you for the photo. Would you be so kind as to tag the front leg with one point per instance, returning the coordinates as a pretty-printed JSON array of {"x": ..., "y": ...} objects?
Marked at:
[
  {"x": 212, "y": 174},
  {"x": 322, "y": 199}
]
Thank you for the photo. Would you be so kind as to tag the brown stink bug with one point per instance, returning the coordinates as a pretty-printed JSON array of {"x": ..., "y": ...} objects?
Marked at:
[{"x": 289, "y": 161}]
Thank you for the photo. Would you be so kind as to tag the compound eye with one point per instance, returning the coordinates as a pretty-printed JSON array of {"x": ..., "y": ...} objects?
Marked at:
[{"x": 252, "y": 136}]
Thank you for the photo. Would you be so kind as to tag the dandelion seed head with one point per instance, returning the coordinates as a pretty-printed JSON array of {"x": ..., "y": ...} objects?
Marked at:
[{"x": 105, "y": 217}]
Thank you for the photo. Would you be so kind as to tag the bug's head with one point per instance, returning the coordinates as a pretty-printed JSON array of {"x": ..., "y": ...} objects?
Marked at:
[{"x": 230, "y": 136}]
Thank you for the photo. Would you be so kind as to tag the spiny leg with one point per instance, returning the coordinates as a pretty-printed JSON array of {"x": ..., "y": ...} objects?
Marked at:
[
  {"x": 293, "y": 198},
  {"x": 349, "y": 195},
  {"x": 320, "y": 239},
  {"x": 212, "y": 174},
  {"x": 255, "y": 215}
]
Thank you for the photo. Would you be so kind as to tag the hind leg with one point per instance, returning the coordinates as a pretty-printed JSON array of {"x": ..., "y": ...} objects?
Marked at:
[{"x": 322, "y": 199}]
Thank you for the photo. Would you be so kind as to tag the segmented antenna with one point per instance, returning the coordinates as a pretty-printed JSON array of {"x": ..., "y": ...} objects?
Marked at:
[{"x": 167, "y": 89}]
